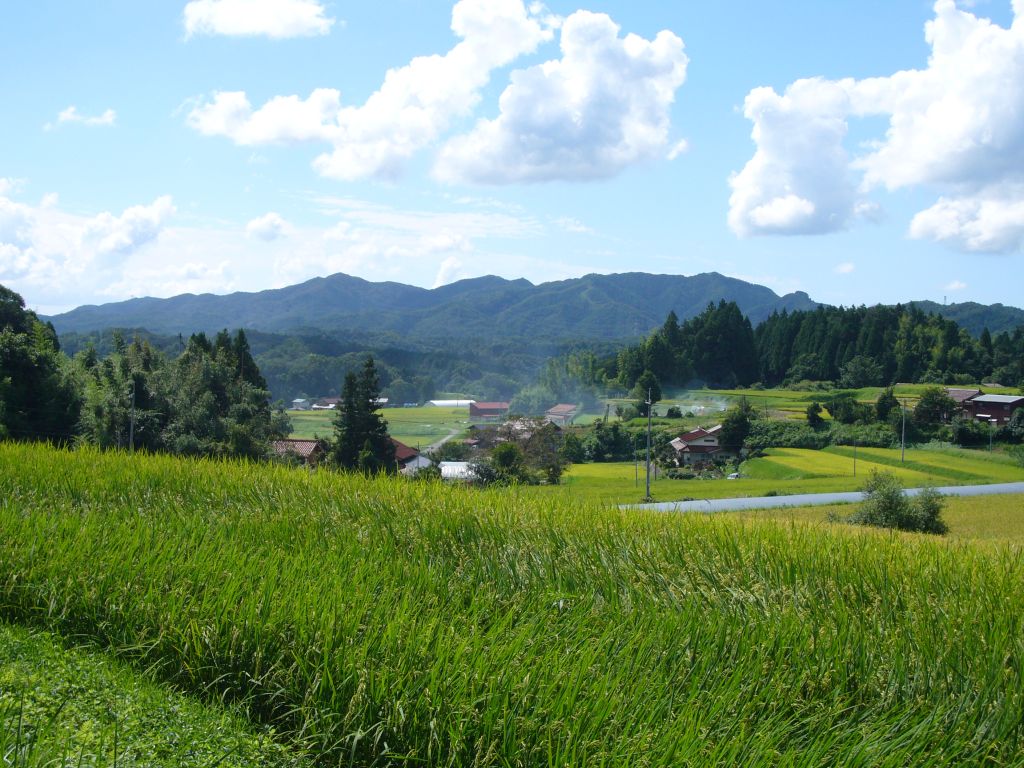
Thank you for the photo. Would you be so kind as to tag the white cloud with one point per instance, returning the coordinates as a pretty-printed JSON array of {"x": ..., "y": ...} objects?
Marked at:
[
  {"x": 173, "y": 280},
  {"x": 600, "y": 108},
  {"x": 247, "y": 18},
  {"x": 451, "y": 269},
  {"x": 990, "y": 221},
  {"x": 412, "y": 108},
  {"x": 956, "y": 285},
  {"x": 575, "y": 226},
  {"x": 72, "y": 115},
  {"x": 846, "y": 268},
  {"x": 681, "y": 147},
  {"x": 136, "y": 226},
  {"x": 954, "y": 125},
  {"x": 268, "y": 227}
]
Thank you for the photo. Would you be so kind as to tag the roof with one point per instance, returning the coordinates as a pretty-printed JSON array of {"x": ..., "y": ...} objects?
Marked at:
[
  {"x": 562, "y": 408},
  {"x": 403, "y": 452},
  {"x": 962, "y": 395},
  {"x": 301, "y": 448},
  {"x": 999, "y": 399},
  {"x": 491, "y": 406},
  {"x": 450, "y": 403},
  {"x": 456, "y": 470}
]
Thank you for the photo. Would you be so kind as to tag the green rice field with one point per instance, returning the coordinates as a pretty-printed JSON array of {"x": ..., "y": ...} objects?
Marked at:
[
  {"x": 787, "y": 471},
  {"x": 381, "y": 622},
  {"x": 416, "y": 427}
]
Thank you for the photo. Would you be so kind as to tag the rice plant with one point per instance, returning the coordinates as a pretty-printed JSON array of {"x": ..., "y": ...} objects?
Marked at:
[{"x": 382, "y": 622}]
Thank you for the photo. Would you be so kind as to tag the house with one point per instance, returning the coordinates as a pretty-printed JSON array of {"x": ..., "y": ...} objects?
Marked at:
[
  {"x": 409, "y": 460},
  {"x": 996, "y": 409},
  {"x": 308, "y": 452},
  {"x": 457, "y": 471},
  {"x": 488, "y": 411},
  {"x": 961, "y": 396},
  {"x": 562, "y": 414},
  {"x": 700, "y": 445},
  {"x": 301, "y": 404},
  {"x": 326, "y": 404}
]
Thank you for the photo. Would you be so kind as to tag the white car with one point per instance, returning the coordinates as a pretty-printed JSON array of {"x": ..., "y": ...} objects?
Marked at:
[{"x": 734, "y": 476}]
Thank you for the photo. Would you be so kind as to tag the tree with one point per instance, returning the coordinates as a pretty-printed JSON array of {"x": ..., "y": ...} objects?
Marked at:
[
  {"x": 886, "y": 506},
  {"x": 885, "y": 404},
  {"x": 646, "y": 386},
  {"x": 361, "y": 439},
  {"x": 861, "y": 371},
  {"x": 933, "y": 408},
  {"x": 814, "y": 419},
  {"x": 736, "y": 425}
]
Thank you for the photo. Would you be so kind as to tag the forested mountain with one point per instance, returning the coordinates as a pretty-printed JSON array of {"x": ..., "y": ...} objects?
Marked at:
[
  {"x": 974, "y": 317},
  {"x": 594, "y": 307}
]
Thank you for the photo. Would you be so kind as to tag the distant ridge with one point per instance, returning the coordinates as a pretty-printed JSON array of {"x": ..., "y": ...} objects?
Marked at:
[
  {"x": 593, "y": 307},
  {"x": 974, "y": 317}
]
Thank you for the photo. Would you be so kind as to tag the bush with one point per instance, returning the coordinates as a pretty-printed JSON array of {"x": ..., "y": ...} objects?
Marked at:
[{"x": 886, "y": 506}]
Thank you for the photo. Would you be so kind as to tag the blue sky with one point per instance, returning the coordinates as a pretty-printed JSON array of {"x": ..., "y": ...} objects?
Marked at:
[{"x": 864, "y": 152}]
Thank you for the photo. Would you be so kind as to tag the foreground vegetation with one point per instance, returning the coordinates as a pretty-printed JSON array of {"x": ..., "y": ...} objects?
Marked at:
[
  {"x": 74, "y": 707},
  {"x": 379, "y": 621}
]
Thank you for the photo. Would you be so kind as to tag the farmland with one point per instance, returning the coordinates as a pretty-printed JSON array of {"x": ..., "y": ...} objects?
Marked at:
[
  {"x": 786, "y": 471},
  {"x": 457, "y": 627},
  {"x": 421, "y": 426}
]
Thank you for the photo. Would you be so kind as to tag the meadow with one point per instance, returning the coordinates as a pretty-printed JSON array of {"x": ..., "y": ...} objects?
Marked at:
[
  {"x": 377, "y": 622},
  {"x": 416, "y": 427},
  {"x": 787, "y": 471}
]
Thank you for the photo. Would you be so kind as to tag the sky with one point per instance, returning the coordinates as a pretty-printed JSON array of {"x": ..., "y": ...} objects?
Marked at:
[{"x": 863, "y": 151}]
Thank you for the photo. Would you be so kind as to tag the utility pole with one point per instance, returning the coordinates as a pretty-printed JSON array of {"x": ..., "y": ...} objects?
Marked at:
[
  {"x": 131, "y": 422},
  {"x": 854, "y": 458},
  {"x": 649, "y": 406},
  {"x": 903, "y": 430}
]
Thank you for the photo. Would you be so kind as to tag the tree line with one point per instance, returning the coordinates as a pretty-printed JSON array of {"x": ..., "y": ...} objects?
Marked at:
[
  {"x": 848, "y": 347},
  {"x": 210, "y": 400}
]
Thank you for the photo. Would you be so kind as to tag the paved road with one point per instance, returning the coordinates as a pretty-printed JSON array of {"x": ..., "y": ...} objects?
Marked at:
[{"x": 813, "y": 499}]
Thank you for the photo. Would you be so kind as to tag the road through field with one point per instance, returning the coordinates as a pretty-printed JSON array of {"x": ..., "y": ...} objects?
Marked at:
[{"x": 812, "y": 499}]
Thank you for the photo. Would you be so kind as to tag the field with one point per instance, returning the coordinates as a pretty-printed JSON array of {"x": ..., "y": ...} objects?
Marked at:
[
  {"x": 991, "y": 519},
  {"x": 380, "y": 622},
  {"x": 786, "y": 471},
  {"x": 416, "y": 427}
]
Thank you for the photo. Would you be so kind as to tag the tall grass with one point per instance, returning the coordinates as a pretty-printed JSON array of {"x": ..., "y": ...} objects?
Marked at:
[{"x": 380, "y": 621}]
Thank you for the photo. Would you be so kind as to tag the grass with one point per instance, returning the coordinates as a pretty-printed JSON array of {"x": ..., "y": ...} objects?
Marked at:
[
  {"x": 991, "y": 519},
  {"x": 61, "y": 706},
  {"x": 381, "y": 622},
  {"x": 787, "y": 471},
  {"x": 413, "y": 426}
]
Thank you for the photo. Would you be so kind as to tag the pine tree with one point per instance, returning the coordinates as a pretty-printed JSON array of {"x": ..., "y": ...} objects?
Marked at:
[{"x": 361, "y": 439}]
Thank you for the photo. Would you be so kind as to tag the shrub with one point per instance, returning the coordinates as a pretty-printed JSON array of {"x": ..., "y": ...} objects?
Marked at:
[{"x": 886, "y": 506}]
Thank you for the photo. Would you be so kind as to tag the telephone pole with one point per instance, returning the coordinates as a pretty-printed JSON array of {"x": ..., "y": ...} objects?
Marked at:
[
  {"x": 131, "y": 422},
  {"x": 649, "y": 406}
]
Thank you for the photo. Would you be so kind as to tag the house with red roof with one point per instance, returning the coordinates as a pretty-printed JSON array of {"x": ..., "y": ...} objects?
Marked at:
[
  {"x": 409, "y": 460},
  {"x": 699, "y": 446},
  {"x": 485, "y": 412}
]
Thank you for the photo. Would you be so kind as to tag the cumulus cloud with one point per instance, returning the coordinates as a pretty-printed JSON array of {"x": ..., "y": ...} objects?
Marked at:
[
  {"x": 451, "y": 269},
  {"x": 954, "y": 125},
  {"x": 956, "y": 285},
  {"x": 249, "y": 18},
  {"x": 72, "y": 115},
  {"x": 268, "y": 227},
  {"x": 601, "y": 107},
  {"x": 846, "y": 268},
  {"x": 989, "y": 221},
  {"x": 109, "y": 234},
  {"x": 413, "y": 107}
]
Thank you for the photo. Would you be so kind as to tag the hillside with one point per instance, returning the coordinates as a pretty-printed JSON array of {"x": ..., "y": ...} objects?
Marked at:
[
  {"x": 594, "y": 307},
  {"x": 974, "y": 317}
]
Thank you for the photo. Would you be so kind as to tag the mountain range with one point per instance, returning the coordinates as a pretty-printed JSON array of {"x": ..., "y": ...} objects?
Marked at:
[{"x": 594, "y": 307}]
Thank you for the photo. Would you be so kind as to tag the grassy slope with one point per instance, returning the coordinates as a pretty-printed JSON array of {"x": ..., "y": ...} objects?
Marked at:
[
  {"x": 379, "y": 618},
  {"x": 74, "y": 706},
  {"x": 788, "y": 471}
]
